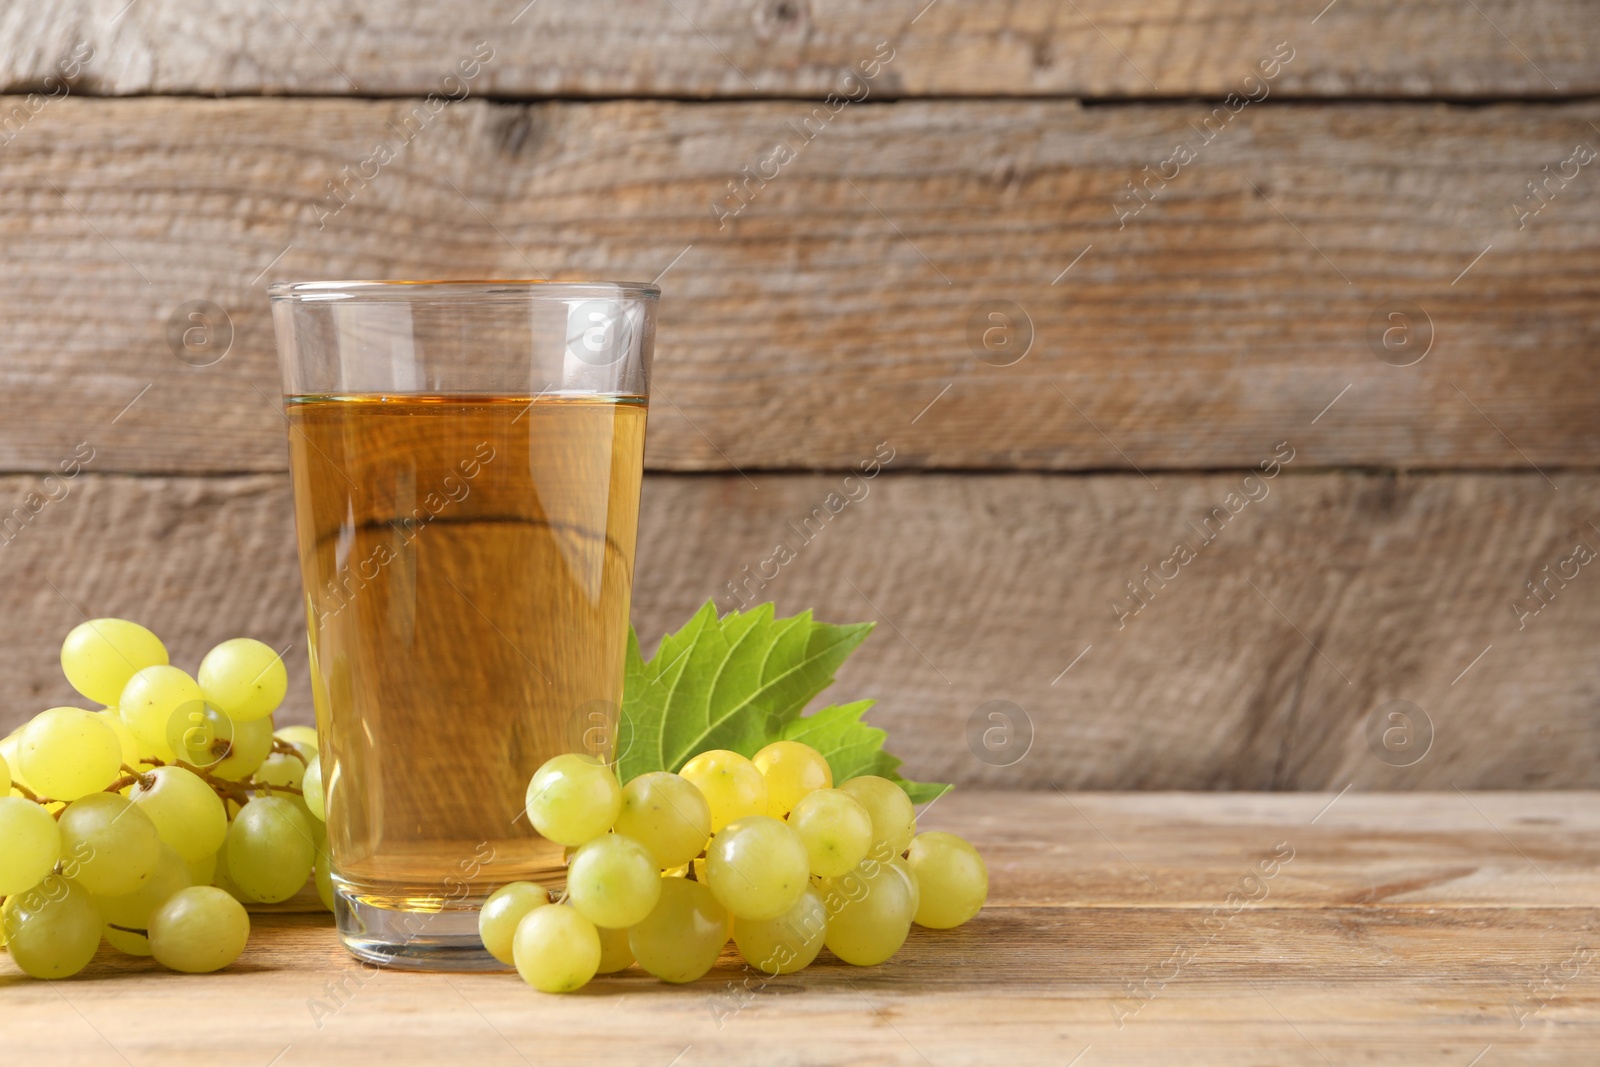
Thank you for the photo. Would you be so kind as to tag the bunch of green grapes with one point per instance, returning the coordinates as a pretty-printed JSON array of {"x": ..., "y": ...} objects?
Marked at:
[
  {"x": 663, "y": 871},
  {"x": 152, "y": 822}
]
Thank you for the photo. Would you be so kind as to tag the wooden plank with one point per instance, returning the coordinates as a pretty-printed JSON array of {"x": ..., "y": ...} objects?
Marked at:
[
  {"x": 1041, "y": 976},
  {"x": 708, "y": 48},
  {"x": 1228, "y": 315},
  {"x": 1270, "y": 661}
]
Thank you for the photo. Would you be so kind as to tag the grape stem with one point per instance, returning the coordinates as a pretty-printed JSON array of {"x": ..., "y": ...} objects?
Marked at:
[
  {"x": 288, "y": 750},
  {"x": 129, "y": 929}
]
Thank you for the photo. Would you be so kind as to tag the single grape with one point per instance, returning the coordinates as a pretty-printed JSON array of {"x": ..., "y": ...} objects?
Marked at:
[
  {"x": 301, "y": 737},
  {"x": 281, "y": 769},
  {"x": 108, "y": 845},
  {"x": 683, "y": 935},
  {"x": 245, "y": 678},
  {"x": 869, "y": 913},
  {"x": 894, "y": 820},
  {"x": 53, "y": 929},
  {"x": 99, "y": 656},
  {"x": 125, "y": 916},
  {"x": 67, "y": 753},
  {"x": 788, "y": 943},
  {"x": 249, "y": 747},
  {"x": 836, "y": 830},
  {"x": 198, "y": 930},
  {"x": 322, "y": 874},
  {"x": 311, "y": 786},
  {"x": 613, "y": 881},
  {"x": 791, "y": 770},
  {"x": 573, "y": 799},
  {"x": 757, "y": 867},
  {"x": 151, "y": 700},
  {"x": 200, "y": 735},
  {"x": 498, "y": 919},
  {"x": 615, "y": 952},
  {"x": 270, "y": 850},
  {"x": 556, "y": 950},
  {"x": 188, "y": 814},
  {"x": 32, "y": 844},
  {"x": 952, "y": 877},
  {"x": 667, "y": 815},
  {"x": 130, "y": 745},
  {"x": 202, "y": 871},
  {"x": 730, "y": 783}
]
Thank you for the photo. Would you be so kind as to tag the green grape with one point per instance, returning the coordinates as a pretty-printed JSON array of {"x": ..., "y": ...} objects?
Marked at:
[
  {"x": 615, "y": 952},
  {"x": 32, "y": 844},
  {"x": 952, "y": 878},
  {"x": 270, "y": 850},
  {"x": 311, "y": 786},
  {"x": 788, "y": 943},
  {"x": 99, "y": 656},
  {"x": 67, "y": 753},
  {"x": 130, "y": 745},
  {"x": 303, "y": 738},
  {"x": 869, "y": 913},
  {"x": 281, "y": 769},
  {"x": 108, "y": 845},
  {"x": 53, "y": 929},
  {"x": 150, "y": 701},
  {"x": 322, "y": 874},
  {"x": 556, "y": 950},
  {"x": 894, "y": 820},
  {"x": 757, "y": 867},
  {"x": 836, "y": 830},
  {"x": 730, "y": 783},
  {"x": 245, "y": 678},
  {"x": 251, "y": 744},
  {"x": 125, "y": 916},
  {"x": 202, "y": 871},
  {"x": 188, "y": 814},
  {"x": 198, "y": 930},
  {"x": 200, "y": 735},
  {"x": 791, "y": 770},
  {"x": 500, "y": 914},
  {"x": 667, "y": 815},
  {"x": 613, "y": 881},
  {"x": 573, "y": 799},
  {"x": 683, "y": 935}
]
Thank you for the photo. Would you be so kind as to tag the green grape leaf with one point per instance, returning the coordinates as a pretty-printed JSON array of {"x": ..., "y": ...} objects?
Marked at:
[
  {"x": 741, "y": 682},
  {"x": 852, "y": 748}
]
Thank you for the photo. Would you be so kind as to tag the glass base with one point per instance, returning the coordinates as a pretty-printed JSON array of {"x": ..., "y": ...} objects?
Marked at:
[{"x": 438, "y": 940}]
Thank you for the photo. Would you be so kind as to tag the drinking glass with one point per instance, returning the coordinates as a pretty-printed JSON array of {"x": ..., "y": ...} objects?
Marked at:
[{"x": 466, "y": 459}]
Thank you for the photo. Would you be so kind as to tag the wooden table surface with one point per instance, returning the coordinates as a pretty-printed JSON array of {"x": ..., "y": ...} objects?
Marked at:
[{"x": 1155, "y": 928}]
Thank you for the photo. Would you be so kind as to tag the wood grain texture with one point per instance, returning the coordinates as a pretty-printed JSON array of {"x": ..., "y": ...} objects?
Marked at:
[
  {"x": 835, "y": 310},
  {"x": 708, "y": 48},
  {"x": 1264, "y": 664},
  {"x": 1089, "y": 894}
]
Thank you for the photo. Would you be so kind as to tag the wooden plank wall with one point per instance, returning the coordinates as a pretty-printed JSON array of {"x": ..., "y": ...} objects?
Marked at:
[{"x": 1200, "y": 282}]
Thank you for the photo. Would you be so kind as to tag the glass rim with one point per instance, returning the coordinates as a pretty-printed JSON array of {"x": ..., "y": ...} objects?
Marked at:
[{"x": 400, "y": 290}]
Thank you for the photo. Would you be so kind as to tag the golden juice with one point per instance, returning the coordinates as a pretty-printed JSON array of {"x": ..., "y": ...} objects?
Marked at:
[{"x": 468, "y": 563}]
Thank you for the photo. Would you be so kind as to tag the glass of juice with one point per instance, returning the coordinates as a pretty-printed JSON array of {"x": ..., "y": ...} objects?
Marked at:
[{"x": 466, "y": 459}]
